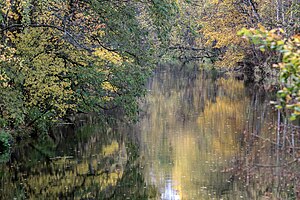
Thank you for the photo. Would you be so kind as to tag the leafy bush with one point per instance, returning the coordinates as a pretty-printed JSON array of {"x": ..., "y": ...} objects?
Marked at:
[{"x": 289, "y": 49}]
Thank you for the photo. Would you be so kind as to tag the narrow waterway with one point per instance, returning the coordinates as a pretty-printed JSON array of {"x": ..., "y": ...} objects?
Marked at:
[
  {"x": 193, "y": 135},
  {"x": 192, "y": 142}
]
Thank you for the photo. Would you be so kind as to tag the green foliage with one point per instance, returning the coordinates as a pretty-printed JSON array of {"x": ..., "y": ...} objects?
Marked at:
[
  {"x": 62, "y": 57},
  {"x": 5, "y": 144},
  {"x": 289, "y": 48},
  {"x": 162, "y": 12}
]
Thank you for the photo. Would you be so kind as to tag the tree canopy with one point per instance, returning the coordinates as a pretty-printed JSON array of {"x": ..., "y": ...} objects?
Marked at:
[
  {"x": 216, "y": 24},
  {"x": 61, "y": 57}
]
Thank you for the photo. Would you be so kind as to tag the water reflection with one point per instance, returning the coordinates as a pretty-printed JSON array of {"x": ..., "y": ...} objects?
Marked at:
[
  {"x": 92, "y": 163},
  {"x": 169, "y": 192},
  {"x": 192, "y": 134},
  {"x": 201, "y": 136}
]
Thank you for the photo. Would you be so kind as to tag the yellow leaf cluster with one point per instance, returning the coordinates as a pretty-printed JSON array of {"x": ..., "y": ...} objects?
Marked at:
[
  {"x": 223, "y": 23},
  {"x": 43, "y": 73},
  {"x": 220, "y": 28},
  {"x": 109, "y": 56},
  {"x": 230, "y": 58},
  {"x": 3, "y": 79},
  {"x": 107, "y": 86}
]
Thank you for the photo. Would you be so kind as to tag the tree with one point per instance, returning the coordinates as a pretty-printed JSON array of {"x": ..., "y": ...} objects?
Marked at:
[
  {"x": 225, "y": 18},
  {"x": 62, "y": 57}
]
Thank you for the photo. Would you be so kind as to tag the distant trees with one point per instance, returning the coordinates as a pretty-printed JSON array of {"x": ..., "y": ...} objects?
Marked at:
[
  {"x": 219, "y": 21},
  {"x": 225, "y": 18},
  {"x": 217, "y": 24}
]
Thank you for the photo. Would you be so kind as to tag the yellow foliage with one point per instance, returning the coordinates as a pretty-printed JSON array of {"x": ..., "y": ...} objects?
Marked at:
[
  {"x": 110, "y": 149},
  {"x": 223, "y": 23},
  {"x": 230, "y": 58},
  {"x": 107, "y": 86},
  {"x": 43, "y": 73},
  {"x": 109, "y": 56},
  {"x": 110, "y": 88},
  {"x": 220, "y": 28},
  {"x": 3, "y": 80}
]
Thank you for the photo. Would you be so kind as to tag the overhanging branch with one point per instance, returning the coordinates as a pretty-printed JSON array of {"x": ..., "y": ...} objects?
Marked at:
[{"x": 187, "y": 48}]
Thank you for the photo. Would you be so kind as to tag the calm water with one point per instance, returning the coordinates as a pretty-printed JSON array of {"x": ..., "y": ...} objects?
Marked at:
[
  {"x": 193, "y": 135},
  {"x": 188, "y": 144}
]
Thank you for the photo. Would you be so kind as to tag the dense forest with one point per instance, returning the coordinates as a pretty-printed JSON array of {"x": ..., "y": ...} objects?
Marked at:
[{"x": 60, "y": 58}]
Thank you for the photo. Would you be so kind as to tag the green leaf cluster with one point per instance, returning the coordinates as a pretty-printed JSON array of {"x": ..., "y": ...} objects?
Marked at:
[{"x": 289, "y": 49}]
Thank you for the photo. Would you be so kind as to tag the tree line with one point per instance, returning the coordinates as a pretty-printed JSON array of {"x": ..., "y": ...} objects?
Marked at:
[{"x": 59, "y": 58}]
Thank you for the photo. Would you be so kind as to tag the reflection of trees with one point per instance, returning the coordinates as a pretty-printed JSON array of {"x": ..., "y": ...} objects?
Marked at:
[
  {"x": 199, "y": 133},
  {"x": 268, "y": 162},
  {"x": 186, "y": 91},
  {"x": 190, "y": 131},
  {"x": 100, "y": 166},
  {"x": 266, "y": 168}
]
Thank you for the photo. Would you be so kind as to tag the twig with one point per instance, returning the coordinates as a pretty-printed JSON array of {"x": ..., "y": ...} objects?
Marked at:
[
  {"x": 265, "y": 139},
  {"x": 283, "y": 165}
]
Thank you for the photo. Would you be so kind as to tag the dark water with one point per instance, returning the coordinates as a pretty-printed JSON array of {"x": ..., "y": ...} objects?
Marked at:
[{"x": 190, "y": 143}]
